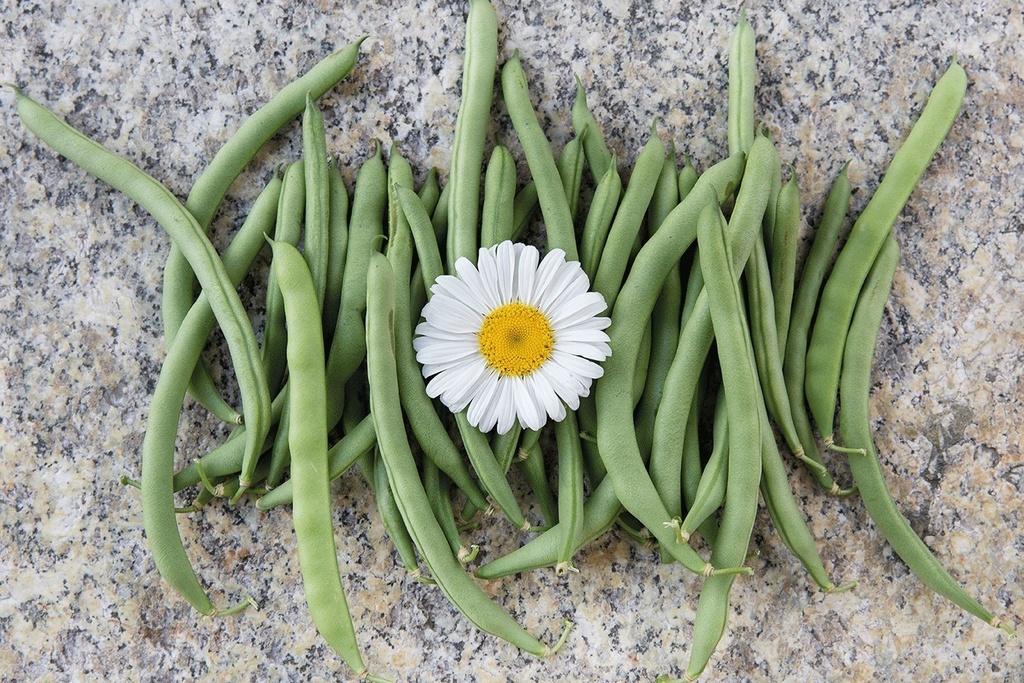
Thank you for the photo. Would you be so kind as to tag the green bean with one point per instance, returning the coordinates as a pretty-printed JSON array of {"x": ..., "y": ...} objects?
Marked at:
[
  {"x": 767, "y": 359},
  {"x": 773, "y": 198},
  {"x": 357, "y": 442},
  {"x": 290, "y": 210},
  {"x": 742, "y": 77},
  {"x": 599, "y": 219},
  {"x": 599, "y": 158},
  {"x": 391, "y": 518},
  {"x": 439, "y": 217},
  {"x": 628, "y": 218},
  {"x": 423, "y": 418},
  {"x": 239, "y": 150},
  {"x": 570, "y": 490},
  {"x": 786, "y": 515},
  {"x": 496, "y": 221},
  {"x": 743, "y": 401},
  {"x": 687, "y": 177},
  {"x": 412, "y": 500},
  {"x": 665, "y": 318},
  {"x": 489, "y": 472},
  {"x": 615, "y": 433},
  {"x": 710, "y": 493},
  {"x": 570, "y": 170},
  {"x": 317, "y": 216},
  {"x": 855, "y": 425},
  {"x": 438, "y": 489},
  {"x": 183, "y": 229},
  {"x": 338, "y": 244},
  {"x": 691, "y": 467},
  {"x": 677, "y": 415},
  {"x": 554, "y": 206},
  {"x": 523, "y": 208},
  {"x": 805, "y": 300},
  {"x": 599, "y": 514},
  {"x": 783, "y": 260},
  {"x": 348, "y": 344},
  {"x": 430, "y": 191},
  {"x": 311, "y": 508},
  {"x": 426, "y": 247},
  {"x": 505, "y": 445},
  {"x": 479, "y": 66},
  {"x": 825, "y": 350},
  {"x": 533, "y": 467},
  {"x": 227, "y": 458}
]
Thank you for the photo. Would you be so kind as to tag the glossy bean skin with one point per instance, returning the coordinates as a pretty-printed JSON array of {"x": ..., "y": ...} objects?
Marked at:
[
  {"x": 404, "y": 476},
  {"x": 366, "y": 225},
  {"x": 227, "y": 164},
  {"x": 600, "y": 511},
  {"x": 710, "y": 493},
  {"x": 478, "y": 72},
  {"x": 183, "y": 228},
  {"x": 786, "y": 514},
  {"x": 615, "y": 433},
  {"x": 804, "y": 303},
  {"x": 390, "y": 517},
  {"x": 855, "y": 425},
  {"x": 869, "y": 232}
]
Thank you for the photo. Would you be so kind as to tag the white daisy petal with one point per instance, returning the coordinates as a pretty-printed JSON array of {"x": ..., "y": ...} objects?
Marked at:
[
  {"x": 456, "y": 289},
  {"x": 526, "y": 406},
  {"x": 447, "y": 351},
  {"x": 505, "y": 261},
  {"x": 579, "y": 367},
  {"x": 594, "y": 351},
  {"x": 571, "y": 283},
  {"x": 539, "y": 351},
  {"x": 547, "y": 272},
  {"x": 526, "y": 273},
  {"x": 588, "y": 305},
  {"x": 547, "y": 397},
  {"x": 505, "y": 410},
  {"x": 478, "y": 414},
  {"x": 582, "y": 334},
  {"x": 471, "y": 276}
]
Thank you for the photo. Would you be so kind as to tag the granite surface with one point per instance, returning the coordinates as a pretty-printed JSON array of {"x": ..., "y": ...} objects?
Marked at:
[{"x": 164, "y": 84}]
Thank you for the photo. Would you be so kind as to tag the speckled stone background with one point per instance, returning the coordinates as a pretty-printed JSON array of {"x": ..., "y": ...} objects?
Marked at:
[{"x": 165, "y": 84}]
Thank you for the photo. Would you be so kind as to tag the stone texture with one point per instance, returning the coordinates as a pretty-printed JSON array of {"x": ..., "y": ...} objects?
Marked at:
[{"x": 166, "y": 84}]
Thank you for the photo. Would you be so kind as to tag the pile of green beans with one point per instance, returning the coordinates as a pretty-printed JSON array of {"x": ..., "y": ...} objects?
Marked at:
[{"x": 687, "y": 263}]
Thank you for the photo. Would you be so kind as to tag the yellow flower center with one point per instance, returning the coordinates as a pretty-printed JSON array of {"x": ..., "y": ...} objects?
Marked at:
[{"x": 515, "y": 339}]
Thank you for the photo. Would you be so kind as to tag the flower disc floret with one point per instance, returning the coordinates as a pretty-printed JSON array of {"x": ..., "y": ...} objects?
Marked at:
[{"x": 513, "y": 337}]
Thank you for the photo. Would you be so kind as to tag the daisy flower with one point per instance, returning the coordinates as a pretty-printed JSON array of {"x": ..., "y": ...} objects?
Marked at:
[{"x": 514, "y": 337}]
